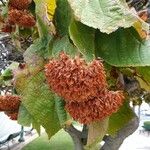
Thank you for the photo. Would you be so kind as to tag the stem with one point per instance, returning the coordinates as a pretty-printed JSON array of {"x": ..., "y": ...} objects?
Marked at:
[{"x": 76, "y": 137}]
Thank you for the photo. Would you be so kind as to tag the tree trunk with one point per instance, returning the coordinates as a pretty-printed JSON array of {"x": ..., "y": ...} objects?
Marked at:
[{"x": 113, "y": 143}]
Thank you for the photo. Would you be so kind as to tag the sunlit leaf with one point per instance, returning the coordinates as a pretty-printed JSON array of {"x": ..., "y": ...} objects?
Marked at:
[{"x": 105, "y": 15}]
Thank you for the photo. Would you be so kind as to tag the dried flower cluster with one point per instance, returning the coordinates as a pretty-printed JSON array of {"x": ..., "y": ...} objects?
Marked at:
[
  {"x": 96, "y": 108},
  {"x": 84, "y": 88},
  {"x": 18, "y": 14},
  {"x": 21, "y": 17},
  {"x": 9, "y": 103},
  {"x": 12, "y": 115},
  {"x": 20, "y": 4},
  {"x": 74, "y": 79},
  {"x": 7, "y": 28}
]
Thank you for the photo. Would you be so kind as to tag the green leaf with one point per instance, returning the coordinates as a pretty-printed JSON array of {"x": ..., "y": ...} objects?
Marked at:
[
  {"x": 42, "y": 23},
  {"x": 5, "y": 9},
  {"x": 143, "y": 77},
  {"x": 144, "y": 72},
  {"x": 123, "y": 48},
  {"x": 83, "y": 37},
  {"x": 59, "y": 106},
  {"x": 63, "y": 44},
  {"x": 24, "y": 117},
  {"x": 42, "y": 46},
  {"x": 119, "y": 119},
  {"x": 32, "y": 59},
  {"x": 39, "y": 101},
  {"x": 1, "y": 81},
  {"x": 96, "y": 132},
  {"x": 7, "y": 74},
  {"x": 62, "y": 17},
  {"x": 42, "y": 27},
  {"x": 105, "y": 15}
]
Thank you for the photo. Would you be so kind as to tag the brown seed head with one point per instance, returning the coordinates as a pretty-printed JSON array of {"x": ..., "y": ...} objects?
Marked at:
[
  {"x": 7, "y": 28},
  {"x": 12, "y": 115},
  {"x": 9, "y": 103},
  {"x": 21, "y": 17},
  {"x": 20, "y": 4},
  {"x": 96, "y": 108},
  {"x": 74, "y": 79}
]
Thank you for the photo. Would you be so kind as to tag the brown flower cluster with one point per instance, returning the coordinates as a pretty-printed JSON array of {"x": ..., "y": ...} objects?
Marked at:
[
  {"x": 20, "y": 4},
  {"x": 9, "y": 103},
  {"x": 7, "y": 28},
  {"x": 18, "y": 14},
  {"x": 21, "y": 17},
  {"x": 12, "y": 115},
  {"x": 74, "y": 79},
  {"x": 84, "y": 88},
  {"x": 96, "y": 108}
]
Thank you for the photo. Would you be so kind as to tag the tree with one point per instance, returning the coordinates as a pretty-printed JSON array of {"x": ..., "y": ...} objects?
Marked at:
[{"x": 83, "y": 64}]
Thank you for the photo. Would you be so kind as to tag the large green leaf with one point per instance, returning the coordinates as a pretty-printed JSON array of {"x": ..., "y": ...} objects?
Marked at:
[
  {"x": 83, "y": 37},
  {"x": 63, "y": 44},
  {"x": 123, "y": 48},
  {"x": 41, "y": 105},
  {"x": 62, "y": 17},
  {"x": 105, "y": 15},
  {"x": 119, "y": 119}
]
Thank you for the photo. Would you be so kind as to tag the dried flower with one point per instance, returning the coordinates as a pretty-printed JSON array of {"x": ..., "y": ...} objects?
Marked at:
[
  {"x": 74, "y": 79},
  {"x": 12, "y": 115},
  {"x": 96, "y": 108},
  {"x": 21, "y": 17},
  {"x": 9, "y": 103},
  {"x": 7, "y": 28},
  {"x": 20, "y": 4}
]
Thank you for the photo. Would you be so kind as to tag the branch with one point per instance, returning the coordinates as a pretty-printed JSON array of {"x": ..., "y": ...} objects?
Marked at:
[
  {"x": 76, "y": 136},
  {"x": 115, "y": 142}
]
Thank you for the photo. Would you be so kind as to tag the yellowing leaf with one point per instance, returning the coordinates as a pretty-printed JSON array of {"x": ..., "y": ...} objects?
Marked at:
[
  {"x": 143, "y": 32},
  {"x": 51, "y": 6},
  {"x": 141, "y": 26},
  {"x": 45, "y": 11},
  {"x": 143, "y": 84}
]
